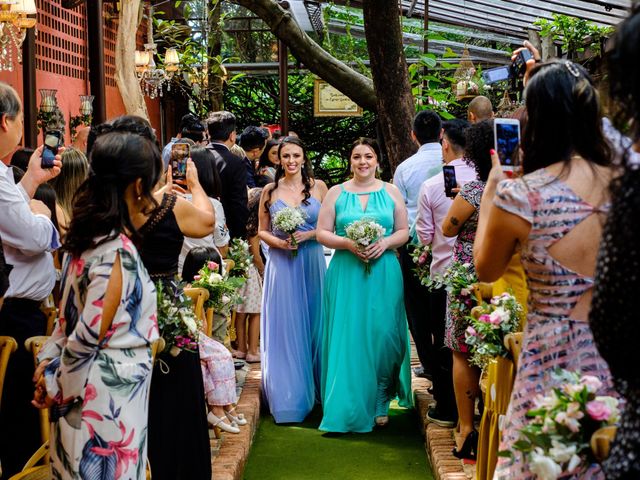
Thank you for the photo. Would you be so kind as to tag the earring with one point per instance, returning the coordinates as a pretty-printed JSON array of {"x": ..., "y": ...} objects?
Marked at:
[{"x": 139, "y": 197}]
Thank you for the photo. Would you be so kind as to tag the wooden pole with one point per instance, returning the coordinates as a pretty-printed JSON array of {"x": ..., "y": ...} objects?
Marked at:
[
  {"x": 29, "y": 93},
  {"x": 283, "y": 74},
  {"x": 95, "y": 41}
]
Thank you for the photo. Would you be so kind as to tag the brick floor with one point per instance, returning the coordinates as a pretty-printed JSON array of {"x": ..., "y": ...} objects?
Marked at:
[{"x": 230, "y": 453}]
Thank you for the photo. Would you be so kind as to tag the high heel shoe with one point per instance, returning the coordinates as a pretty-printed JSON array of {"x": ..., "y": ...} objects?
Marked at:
[
  {"x": 235, "y": 418},
  {"x": 217, "y": 422},
  {"x": 469, "y": 447},
  {"x": 382, "y": 421}
]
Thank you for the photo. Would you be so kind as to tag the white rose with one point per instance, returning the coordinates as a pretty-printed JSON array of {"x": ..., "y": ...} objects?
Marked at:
[
  {"x": 574, "y": 463},
  {"x": 215, "y": 278},
  {"x": 191, "y": 324},
  {"x": 544, "y": 467},
  {"x": 560, "y": 452},
  {"x": 225, "y": 299}
]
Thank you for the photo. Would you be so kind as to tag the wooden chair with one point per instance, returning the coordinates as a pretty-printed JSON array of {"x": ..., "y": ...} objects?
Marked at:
[
  {"x": 513, "y": 343},
  {"x": 198, "y": 296},
  {"x": 51, "y": 313},
  {"x": 483, "y": 291},
  {"x": 601, "y": 442},
  {"x": 8, "y": 345},
  {"x": 34, "y": 345}
]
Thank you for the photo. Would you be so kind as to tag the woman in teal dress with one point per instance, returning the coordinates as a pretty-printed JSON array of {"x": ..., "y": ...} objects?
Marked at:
[{"x": 365, "y": 344}]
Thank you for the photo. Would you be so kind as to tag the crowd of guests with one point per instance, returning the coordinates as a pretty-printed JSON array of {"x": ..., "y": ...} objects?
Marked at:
[{"x": 561, "y": 237}]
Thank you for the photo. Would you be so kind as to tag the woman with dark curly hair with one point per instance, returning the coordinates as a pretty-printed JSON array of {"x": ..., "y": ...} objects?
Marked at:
[
  {"x": 554, "y": 215},
  {"x": 461, "y": 221},
  {"x": 292, "y": 289},
  {"x": 614, "y": 309}
]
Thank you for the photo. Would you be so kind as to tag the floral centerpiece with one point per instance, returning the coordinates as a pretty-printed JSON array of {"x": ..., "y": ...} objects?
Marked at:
[
  {"x": 289, "y": 220},
  {"x": 365, "y": 232},
  {"x": 223, "y": 289},
  {"x": 485, "y": 334},
  {"x": 555, "y": 441},
  {"x": 242, "y": 259},
  {"x": 421, "y": 257},
  {"x": 177, "y": 322},
  {"x": 458, "y": 280}
]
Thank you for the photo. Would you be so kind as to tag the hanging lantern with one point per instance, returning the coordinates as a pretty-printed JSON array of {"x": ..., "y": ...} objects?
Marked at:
[{"x": 464, "y": 86}]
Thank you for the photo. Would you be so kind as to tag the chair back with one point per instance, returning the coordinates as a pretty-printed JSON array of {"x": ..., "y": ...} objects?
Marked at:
[
  {"x": 513, "y": 343},
  {"x": 228, "y": 265},
  {"x": 198, "y": 296},
  {"x": 601, "y": 442},
  {"x": 482, "y": 291},
  {"x": 34, "y": 345},
  {"x": 51, "y": 313},
  {"x": 8, "y": 345},
  {"x": 208, "y": 324}
]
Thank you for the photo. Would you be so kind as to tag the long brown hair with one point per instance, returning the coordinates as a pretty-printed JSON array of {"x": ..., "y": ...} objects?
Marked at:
[{"x": 307, "y": 174}]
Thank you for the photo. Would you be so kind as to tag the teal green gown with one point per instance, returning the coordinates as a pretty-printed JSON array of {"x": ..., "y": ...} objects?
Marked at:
[{"x": 365, "y": 343}]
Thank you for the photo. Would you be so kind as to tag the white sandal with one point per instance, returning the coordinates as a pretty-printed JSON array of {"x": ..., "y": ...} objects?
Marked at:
[
  {"x": 217, "y": 422},
  {"x": 238, "y": 419}
]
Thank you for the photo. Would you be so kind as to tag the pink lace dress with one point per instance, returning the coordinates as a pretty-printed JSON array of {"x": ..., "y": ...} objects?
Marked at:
[{"x": 553, "y": 337}]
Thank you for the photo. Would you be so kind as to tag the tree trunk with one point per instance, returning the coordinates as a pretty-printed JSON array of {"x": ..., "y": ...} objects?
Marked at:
[
  {"x": 353, "y": 84},
  {"x": 125, "y": 73},
  {"x": 390, "y": 78},
  {"x": 215, "y": 48}
]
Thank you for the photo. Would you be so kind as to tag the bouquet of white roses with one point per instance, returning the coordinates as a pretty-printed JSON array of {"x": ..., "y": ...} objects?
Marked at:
[
  {"x": 289, "y": 220},
  {"x": 223, "y": 290},
  {"x": 177, "y": 322},
  {"x": 365, "y": 232},
  {"x": 485, "y": 334},
  {"x": 555, "y": 441},
  {"x": 242, "y": 259}
]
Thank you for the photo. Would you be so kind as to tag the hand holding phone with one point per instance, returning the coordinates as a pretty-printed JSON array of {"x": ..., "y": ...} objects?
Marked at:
[
  {"x": 180, "y": 153},
  {"x": 52, "y": 143},
  {"x": 450, "y": 181},
  {"x": 506, "y": 133}
]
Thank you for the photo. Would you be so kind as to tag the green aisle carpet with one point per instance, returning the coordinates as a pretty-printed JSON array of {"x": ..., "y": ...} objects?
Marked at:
[{"x": 302, "y": 452}]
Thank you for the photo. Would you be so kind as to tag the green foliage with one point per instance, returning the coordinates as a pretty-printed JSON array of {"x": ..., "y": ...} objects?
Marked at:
[
  {"x": 576, "y": 34},
  {"x": 255, "y": 100}
]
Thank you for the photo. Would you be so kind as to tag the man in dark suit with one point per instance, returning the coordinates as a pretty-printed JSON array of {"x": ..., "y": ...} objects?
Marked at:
[{"x": 232, "y": 171}]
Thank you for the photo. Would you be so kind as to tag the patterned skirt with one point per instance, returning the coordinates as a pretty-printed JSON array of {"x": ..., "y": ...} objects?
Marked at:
[
  {"x": 549, "y": 343},
  {"x": 251, "y": 293},
  {"x": 218, "y": 372}
]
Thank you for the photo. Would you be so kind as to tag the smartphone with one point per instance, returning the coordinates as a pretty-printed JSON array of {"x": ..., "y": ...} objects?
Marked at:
[
  {"x": 519, "y": 65},
  {"x": 180, "y": 153},
  {"x": 498, "y": 74},
  {"x": 450, "y": 182},
  {"x": 506, "y": 133},
  {"x": 52, "y": 142}
]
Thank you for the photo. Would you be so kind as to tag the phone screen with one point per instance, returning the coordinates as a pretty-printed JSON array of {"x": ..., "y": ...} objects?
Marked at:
[
  {"x": 179, "y": 154},
  {"x": 50, "y": 150},
  {"x": 494, "y": 75},
  {"x": 507, "y": 137},
  {"x": 450, "y": 182}
]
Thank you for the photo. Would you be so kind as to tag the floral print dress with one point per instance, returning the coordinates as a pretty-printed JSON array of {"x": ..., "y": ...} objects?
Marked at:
[
  {"x": 101, "y": 387},
  {"x": 458, "y": 308}
]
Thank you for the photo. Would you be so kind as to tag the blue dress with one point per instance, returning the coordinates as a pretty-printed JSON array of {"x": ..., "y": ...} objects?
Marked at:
[
  {"x": 365, "y": 345},
  {"x": 290, "y": 323}
]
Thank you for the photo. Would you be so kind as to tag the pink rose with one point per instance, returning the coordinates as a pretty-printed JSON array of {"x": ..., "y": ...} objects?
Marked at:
[
  {"x": 599, "y": 411},
  {"x": 485, "y": 318},
  {"x": 197, "y": 277},
  {"x": 472, "y": 331},
  {"x": 212, "y": 266},
  {"x": 592, "y": 383},
  {"x": 423, "y": 259}
]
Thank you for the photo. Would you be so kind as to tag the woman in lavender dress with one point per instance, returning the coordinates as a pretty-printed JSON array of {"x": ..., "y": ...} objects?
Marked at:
[{"x": 292, "y": 292}]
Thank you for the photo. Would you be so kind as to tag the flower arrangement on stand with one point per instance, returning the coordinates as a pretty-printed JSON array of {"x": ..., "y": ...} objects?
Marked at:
[
  {"x": 365, "y": 232},
  {"x": 288, "y": 220},
  {"x": 421, "y": 257},
  {"x": 177, "y": 322},
  {"x": 223, "y": 289},
  {"x": 486, "y": 332},
  {"x": 555, "y": 442},
  {"x": 242, "y": 259}
]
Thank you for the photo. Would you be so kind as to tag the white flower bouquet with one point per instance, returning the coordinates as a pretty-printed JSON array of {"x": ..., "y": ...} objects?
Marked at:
[
  {"x": 458, "y": 280},
  {"x": 422, "y": 257},
  {"x": 555, "y": 442},
  {"x": 223, "y": 290},
  {"x": 177, "y": 323},
  {"x": 289, "y": 220},
  {"x": 485, "y": 334},
  {"x": 242, "y": 258},
  {"x": 365, "y": 232}
]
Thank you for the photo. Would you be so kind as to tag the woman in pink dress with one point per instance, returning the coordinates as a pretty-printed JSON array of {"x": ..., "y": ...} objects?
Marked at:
[{"x": 554, "y": 215}]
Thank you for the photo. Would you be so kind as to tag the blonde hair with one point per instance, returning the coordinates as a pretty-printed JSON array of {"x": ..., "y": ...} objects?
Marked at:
[
  {"x": 238, "y": 151},
  {"x": 75, "y": 170}
]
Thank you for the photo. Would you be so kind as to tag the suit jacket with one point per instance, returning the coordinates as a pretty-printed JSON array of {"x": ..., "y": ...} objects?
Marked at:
[{"x": 233, "y": 175}]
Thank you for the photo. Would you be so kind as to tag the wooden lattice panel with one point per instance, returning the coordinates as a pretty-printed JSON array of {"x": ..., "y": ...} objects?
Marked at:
[{"x": 61, "y": 43}]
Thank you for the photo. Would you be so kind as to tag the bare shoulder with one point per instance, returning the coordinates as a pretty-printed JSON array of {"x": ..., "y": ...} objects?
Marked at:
[
  {"x": 320, "y": 189},
  {"x": 391, "y": 189}
]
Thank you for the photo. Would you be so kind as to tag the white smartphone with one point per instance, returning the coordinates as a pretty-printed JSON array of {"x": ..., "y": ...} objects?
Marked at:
[{"x": 506, "y": 133}]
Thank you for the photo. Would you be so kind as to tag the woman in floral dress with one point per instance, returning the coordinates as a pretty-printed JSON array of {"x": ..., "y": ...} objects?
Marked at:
[
  {"x": 95, "y": 371},
  {"x": 462, "y": 220}
]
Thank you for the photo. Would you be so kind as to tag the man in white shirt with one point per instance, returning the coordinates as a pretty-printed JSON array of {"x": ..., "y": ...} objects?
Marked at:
[
  {"x": 409, "y": 176},
  {"x": 433, "y": 206},
  {"x": 28, "y": 237}
]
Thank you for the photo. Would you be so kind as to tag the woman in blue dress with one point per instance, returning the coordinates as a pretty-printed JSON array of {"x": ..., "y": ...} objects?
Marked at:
[
  {"x": 292, "y": 291},
  {"x": 365, "y": 347}
]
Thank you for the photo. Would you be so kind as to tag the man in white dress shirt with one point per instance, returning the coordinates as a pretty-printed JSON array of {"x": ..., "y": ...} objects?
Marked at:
[
  {"x": 408, "y": 178},
  {"x": 433, "y": 206},
  {"x": 28, "y": 237}
]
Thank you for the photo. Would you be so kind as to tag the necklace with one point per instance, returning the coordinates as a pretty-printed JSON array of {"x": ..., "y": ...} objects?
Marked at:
[{"x": 294, "y": 189}]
